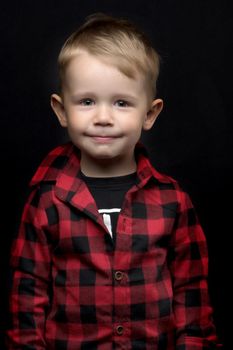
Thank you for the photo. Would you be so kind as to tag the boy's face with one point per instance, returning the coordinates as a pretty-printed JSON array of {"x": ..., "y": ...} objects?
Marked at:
[{"x": 105, "y": 112}]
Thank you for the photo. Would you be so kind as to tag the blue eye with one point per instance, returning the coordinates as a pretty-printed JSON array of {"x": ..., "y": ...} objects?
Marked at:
[
  {"x": 86, "y": 102},
  {"x": 122, "y": 103}
]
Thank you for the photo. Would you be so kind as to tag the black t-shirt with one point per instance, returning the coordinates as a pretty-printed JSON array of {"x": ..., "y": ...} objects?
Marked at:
[{"x": 109, "y": 194}]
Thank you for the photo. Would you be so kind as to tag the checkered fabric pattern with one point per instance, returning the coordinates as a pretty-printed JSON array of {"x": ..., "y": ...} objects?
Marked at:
[{"x": 73, "y": 289}]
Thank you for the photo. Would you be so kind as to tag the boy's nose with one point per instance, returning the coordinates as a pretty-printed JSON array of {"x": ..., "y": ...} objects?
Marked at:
[{"x": 103, "y": 116}]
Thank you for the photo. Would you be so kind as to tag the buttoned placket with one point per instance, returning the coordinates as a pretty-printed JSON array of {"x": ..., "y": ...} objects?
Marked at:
[
  {"x": 119, "y": 278},
  {"x": 121, "y": 292}
]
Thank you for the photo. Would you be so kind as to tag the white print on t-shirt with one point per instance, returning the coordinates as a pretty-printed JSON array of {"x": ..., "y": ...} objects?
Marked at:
[{"x": 107, "y": 217}]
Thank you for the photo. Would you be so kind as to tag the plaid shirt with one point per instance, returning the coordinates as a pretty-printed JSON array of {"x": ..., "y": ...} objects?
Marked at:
[{"x": 73, "y": 289}]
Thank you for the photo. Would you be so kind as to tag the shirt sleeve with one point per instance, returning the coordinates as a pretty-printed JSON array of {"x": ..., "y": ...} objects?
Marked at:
[
  {"x": 30, "y": 267},
  {"x": 189, "y": 269}
]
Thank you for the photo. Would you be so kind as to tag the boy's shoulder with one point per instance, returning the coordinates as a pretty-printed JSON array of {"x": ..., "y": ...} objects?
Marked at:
[
  {"x": 53, "y": 163},
  {"x": 146, "y": 168},
  {"x": 170, "y": 189}
]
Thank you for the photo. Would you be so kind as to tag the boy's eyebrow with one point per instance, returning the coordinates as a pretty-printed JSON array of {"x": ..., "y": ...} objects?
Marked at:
[
  {"x": 91, "y": 94},
  {"x": 82, "y": 94},
  {"x": 126, "y": 96}
]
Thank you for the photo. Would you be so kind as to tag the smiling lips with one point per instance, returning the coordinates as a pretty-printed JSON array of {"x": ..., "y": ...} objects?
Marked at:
[{"x": 103, "y": 138}]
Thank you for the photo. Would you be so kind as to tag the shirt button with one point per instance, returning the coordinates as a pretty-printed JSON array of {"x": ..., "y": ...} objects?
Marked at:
[
  {"x": 120, "y": 330},
  {"x": 118, "y": 275}
]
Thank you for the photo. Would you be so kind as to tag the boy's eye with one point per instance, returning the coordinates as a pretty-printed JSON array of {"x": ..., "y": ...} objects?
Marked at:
[
  {"x": 86, "y": 102},
  {"x": 122, "y": 103}
]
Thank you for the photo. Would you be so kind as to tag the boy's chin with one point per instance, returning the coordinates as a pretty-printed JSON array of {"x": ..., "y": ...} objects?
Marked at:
[{"x": 106, "y": 158}]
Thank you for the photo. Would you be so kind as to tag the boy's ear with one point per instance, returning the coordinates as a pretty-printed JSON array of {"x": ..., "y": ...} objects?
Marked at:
[
  {"x": 152, "y": 114},
  {"x": 58, "y": 108}
]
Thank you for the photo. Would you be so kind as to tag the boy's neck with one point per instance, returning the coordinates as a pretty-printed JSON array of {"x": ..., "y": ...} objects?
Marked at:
[{"x": 108, "y": 168}]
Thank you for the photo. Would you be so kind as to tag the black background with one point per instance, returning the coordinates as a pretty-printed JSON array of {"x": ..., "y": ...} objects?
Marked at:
[{"x": 191, "y": 141}]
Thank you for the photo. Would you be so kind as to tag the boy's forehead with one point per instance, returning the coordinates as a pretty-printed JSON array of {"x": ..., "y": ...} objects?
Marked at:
[
  {"x": 85, "y": 70},
  {"x": 85, "y": 62}
]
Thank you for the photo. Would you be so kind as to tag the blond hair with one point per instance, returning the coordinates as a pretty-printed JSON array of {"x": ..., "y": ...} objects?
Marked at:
[{"x": 117, "y": 40}]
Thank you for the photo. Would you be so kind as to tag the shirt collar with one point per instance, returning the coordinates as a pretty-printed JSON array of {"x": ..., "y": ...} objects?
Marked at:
[{"x": 62, "y": 165}]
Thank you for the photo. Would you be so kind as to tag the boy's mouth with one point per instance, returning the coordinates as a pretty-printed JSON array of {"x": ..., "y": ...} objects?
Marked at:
[{"x": 103, "y": 139}]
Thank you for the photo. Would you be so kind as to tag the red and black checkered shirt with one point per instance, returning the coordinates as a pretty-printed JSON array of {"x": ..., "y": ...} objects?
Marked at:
[{"x": 73, "y": 289}]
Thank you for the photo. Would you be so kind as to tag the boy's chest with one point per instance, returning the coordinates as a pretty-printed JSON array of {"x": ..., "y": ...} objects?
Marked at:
[{"x": 143, "y": 234}]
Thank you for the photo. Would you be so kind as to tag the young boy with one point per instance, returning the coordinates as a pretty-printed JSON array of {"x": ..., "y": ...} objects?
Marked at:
[{"x": 110, "y": 253}]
